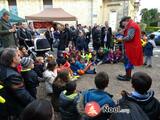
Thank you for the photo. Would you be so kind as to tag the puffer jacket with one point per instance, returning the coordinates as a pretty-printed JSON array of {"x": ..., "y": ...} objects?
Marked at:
[{"x": 67, "y": 106}]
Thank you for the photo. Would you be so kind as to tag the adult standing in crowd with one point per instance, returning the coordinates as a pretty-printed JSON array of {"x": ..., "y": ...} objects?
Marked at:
[
  {"x": 6, "y": 31},
  {"x": 63, "y": 39},
  {"x": 96, "y": 35},
  {"x": 87, "y": 35},
  {"x": 17, "y": 97},
  {"x": 49, "y": 34},
  {"x": 73, "y": 35},
  {"x": 93, "y": 34},
  {"x": 31, "y": 28},
  {"x": 133, "y": 53},
  {"x": 81, "y": 42},
  {"x": 24, "y": 35},
  {"x": 106, "y": 36},
  {"x": 68, "y": 34}
]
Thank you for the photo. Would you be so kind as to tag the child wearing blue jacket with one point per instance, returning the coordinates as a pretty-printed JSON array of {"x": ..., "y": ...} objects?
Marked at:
[
  {"x": 76, "y": 66},
  {"x": 98, "y": 95},
  {"x": 148, "y": 51}
]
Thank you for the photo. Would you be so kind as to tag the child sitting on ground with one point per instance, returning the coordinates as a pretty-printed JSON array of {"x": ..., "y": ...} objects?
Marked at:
[
  {"x": 64, "y": 65},
  {"x": 111, "y": 57},
  {"x": 58, "y": 86},
  {"x": 73, "y": 52},
  {"x": 49, "y": 76},
  {"x": 118, "y": 55},
  {"x": 98, "y": 95},
  {"x": 102, "y": 56},
  {"x": 142, "y": 96},
  {"x": 48, "y": 58},
  {"x": 78, "y": 56},
  {"x": 30, "y": 76},
  {"x": 66, "y": 53},
  {"x": 39, "y": 66},
  {"x": 80, "y": 68},
  {"x": 67, "y": 101},
  {"x": 23, "y": 51}
]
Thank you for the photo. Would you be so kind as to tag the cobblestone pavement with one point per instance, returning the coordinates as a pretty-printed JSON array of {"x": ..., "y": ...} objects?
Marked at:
[{"x": 115, "y": 87}]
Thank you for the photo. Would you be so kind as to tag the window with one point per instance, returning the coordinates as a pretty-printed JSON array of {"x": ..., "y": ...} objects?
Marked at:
[
  {"x": 13, "y": 6},
  {"x": 47, "y": 3}
]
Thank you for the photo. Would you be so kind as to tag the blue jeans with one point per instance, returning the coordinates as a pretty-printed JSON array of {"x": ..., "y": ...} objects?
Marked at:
[{"x": 127, "y": 64}]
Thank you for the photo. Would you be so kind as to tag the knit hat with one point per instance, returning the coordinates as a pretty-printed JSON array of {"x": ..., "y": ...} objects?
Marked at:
[{"x": 26, "y": 61}]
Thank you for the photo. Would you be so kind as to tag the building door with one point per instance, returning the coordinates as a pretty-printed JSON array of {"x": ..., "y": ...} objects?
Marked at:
[
  {"x": 112, "y": 20},
  {"x": 47, "y": 4}
]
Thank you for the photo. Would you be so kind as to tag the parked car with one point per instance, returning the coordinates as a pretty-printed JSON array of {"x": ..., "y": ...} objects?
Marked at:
[{"x": 157, "y": 37}]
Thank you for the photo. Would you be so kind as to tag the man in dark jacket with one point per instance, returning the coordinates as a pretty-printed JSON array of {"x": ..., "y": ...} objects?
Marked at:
[
  {"x": 17, "y": 97},
  {"x": 96, "y": 35},
  {"x": 68, "y": 34},
  {"x": 49, "y": 34},
  {"x": 106, "y": 35},
  {"x": 24, "y": 36},
  {"x": 63, "y": 43},
  {"x": 6, "y": 31}
]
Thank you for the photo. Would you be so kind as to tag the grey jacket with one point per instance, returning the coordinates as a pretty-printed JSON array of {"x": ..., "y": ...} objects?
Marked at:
[{"x": 6, "y": 37}]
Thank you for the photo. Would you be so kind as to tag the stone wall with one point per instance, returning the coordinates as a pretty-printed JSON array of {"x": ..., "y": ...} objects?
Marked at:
[
  {"x": 29, "y": 7},
  {"x": 4, "y": 4}
]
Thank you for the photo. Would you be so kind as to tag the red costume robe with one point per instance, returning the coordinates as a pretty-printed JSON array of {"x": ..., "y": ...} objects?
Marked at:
[{"x": 133, "y": 48}]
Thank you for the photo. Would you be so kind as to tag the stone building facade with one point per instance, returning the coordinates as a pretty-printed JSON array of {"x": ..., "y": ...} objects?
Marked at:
[{"x": 87, "y": 12}]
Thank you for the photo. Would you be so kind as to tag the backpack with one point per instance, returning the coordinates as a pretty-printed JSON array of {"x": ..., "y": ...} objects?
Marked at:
[{"x": 129, "y": 111}]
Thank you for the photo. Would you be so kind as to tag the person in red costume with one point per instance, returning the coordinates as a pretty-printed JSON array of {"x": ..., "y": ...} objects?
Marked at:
[{"x": 133, "y": 52}]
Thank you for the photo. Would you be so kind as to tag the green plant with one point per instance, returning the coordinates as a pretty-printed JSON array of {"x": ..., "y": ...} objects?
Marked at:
[
  {"x": 151, "y": 29},
  {"x": 142, "y": 26}
]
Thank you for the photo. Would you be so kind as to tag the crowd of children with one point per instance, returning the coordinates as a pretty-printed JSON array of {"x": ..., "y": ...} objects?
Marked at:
[
  {"x": 82, "y": 62},
  {"x": 140, "y": 103}
]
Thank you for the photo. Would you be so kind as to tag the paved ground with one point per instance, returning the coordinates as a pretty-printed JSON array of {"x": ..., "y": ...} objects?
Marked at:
[{"x": 115, "y": 87}]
